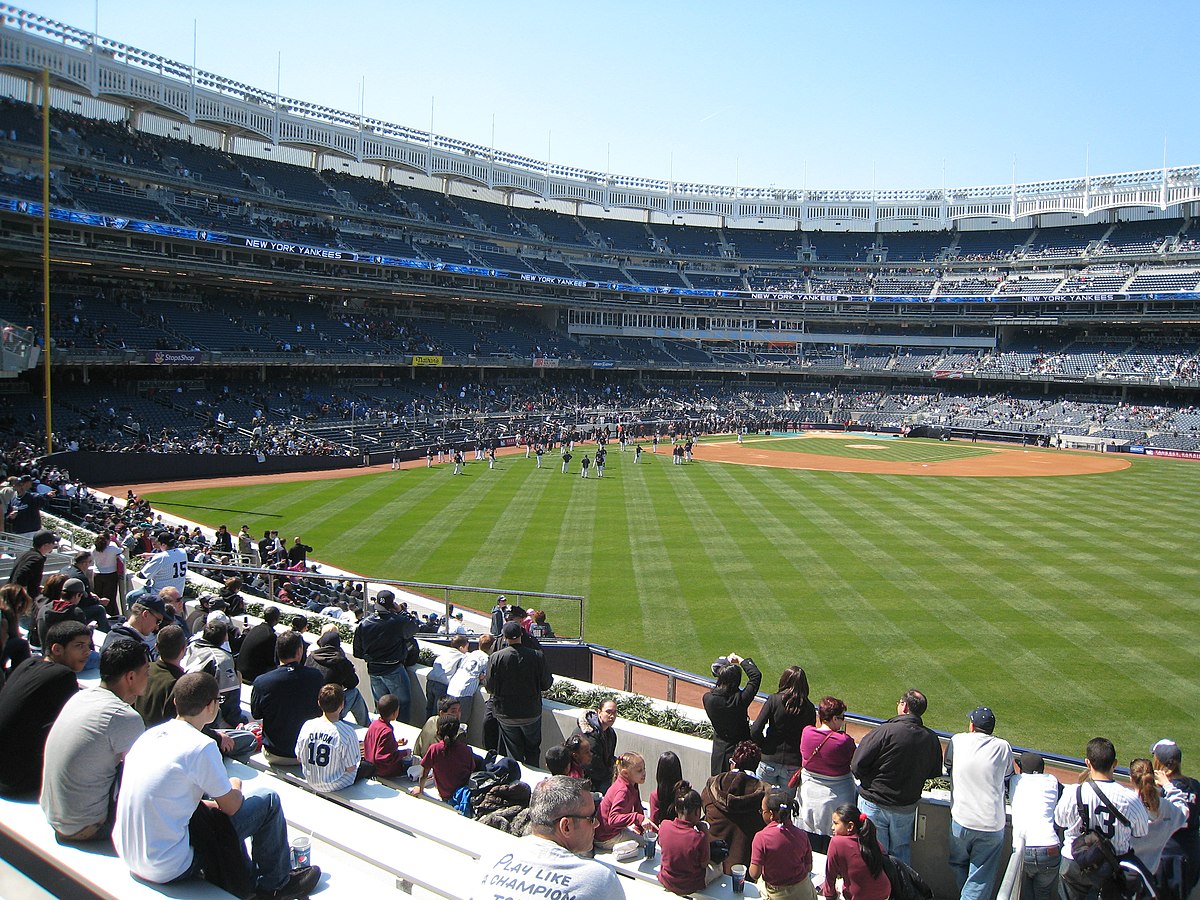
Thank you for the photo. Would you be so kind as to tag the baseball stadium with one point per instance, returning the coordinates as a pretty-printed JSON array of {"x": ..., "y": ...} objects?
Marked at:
[{"x": 939, "y": 438}]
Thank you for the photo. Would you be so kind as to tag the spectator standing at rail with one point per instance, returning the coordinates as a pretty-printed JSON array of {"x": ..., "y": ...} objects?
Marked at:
[
  {"x": 384, "y": 639},
  {"x": 778, "y": 727},
  {"x": 825, "y": 780},
  {"x": 298, "y": 553},
  {"x": 1169, "y": 758},
  {"x": 498, "y": 612},
  {"x": 892, "y": 763},
  {"x": 979, "y": 765},
  {"x": 727, "y": 705},
  {"x": 516, "y": 677},
  {"x": 1032, "y": 797}
]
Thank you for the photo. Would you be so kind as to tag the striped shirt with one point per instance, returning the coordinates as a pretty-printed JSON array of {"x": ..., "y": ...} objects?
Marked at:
[
  {"x": 328, "y": 754},
  {"x": 1101, "y": 820}
]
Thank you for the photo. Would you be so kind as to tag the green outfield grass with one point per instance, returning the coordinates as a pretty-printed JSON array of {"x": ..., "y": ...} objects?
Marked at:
[{"x": 1067, "y": 604}]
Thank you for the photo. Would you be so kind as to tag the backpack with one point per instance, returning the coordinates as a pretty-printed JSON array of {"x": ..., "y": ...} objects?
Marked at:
[
  {"x": 1092, "y": 851},
  {"x": 907, "y": 883}
]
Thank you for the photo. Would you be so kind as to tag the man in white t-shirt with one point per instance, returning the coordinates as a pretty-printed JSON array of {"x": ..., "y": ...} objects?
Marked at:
[
  {"x": 328, "y": 748},
  {"x": 978, "y": 764},
  {"x": 1032, "y": 797},
  {"x": 562, "y": 818},
  {"x": 168, "y": 772},
  {"x": 1101, "y": 760},
  {"x": 88, "y": 741}
]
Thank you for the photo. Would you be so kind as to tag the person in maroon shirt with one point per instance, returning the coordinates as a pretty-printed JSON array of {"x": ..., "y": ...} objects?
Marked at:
[
  {"x": 856, "y": 857},
  {"x": 686, "y": 864},
  {"x": 781, "y": 854},
  {"x": 450, "y": 759},
  {"x": 380, "y": 745}
]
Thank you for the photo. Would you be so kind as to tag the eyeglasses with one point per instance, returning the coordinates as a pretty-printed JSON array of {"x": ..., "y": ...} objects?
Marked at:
[{"x": 594, "y": 817}]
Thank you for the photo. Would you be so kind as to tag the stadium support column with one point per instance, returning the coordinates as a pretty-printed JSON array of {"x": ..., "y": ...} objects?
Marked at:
[{"x": 46, "y": 255}]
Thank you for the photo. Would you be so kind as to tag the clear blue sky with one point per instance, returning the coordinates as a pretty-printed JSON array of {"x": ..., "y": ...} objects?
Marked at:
[{"x": 752, "y": 93}]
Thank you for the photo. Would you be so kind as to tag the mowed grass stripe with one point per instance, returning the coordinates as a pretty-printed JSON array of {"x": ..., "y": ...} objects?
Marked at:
[{"x": 517, "y": 497}]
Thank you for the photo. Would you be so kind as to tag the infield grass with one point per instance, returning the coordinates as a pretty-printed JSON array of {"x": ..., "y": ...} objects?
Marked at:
[{"x": 1067, "y": 604}]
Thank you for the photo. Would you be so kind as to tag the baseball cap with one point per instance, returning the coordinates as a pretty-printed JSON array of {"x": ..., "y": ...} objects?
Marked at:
[
  {"x": 1032, "y": 763},
  {"x": 386, "y": 598},
  {"x": 1167, "y": 751},
  {"x": 154, "y": 604},
  {"x": 501, "y": 599},
  {"x": 45, "y": 537},
  {"x": 513, "y": 630},
  {"x": 73, "y": 586},
  {"x": 720, "y": 663},
  {"x": 165, "y": 537},
  {"x": 983, "y": 719}
]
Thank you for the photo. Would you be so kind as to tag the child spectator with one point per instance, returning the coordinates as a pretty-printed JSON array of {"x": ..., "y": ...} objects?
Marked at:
[
  {"x": 328, "y": 748},
  {"x": 856, "y": 857},
  {"x": 450, "y": 760},
  {"x": 558, "y": 760},
  {"x": 781, "y": 854},
  {"x": 580, "y": 755},
  {"x": 662, "y": 798},
  {"x": 686, "y": 858},
  {"x": 380, "y": 746},
  {"x": 621, "y": 808}
]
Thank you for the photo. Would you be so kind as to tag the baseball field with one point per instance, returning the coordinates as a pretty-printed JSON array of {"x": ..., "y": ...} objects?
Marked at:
[{"x": 1060, "y": 589}]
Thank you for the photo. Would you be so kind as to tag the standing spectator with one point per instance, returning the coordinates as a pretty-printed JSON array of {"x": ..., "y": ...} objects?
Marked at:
[
  {"x": 28, "y": 568},
  {"x": 445, "y": 665},
  {"x": 284, "y": 699},
  {"x": 109, "y": 565},
  {"x": 1032, "y": 797},
  {"x": 384, "y": 639},
  {"x": 777, "y": 729},
  {"x": 516, "y": 678},
  {"x": 168, "y": 771},
  {"x": 979, "y": 764},
  {"x": 892, "y": 764},
  {"x": 380, "y": 746},
  {"x": 24, "y": 515},
  {"x": 855, "y": 856},
  {"x": 562, "y": 821},
  {"x": 257, "y": 655},
  {"x": 733, "y": 804},
  {"x": 727, "y": 705},
  {"x": 32, "y": 698},
  {"x": 1131, "y": 820},
  {"x": 498, "y": 612},
  {"x": 1166, "y": 806},
  {"x": 328, "y": 748},
  {"x": 297, "y": 554},
  {"x": 330, "y": 659},
  {"x": 223, "y": 541},
  {"x": 597, "y": 726},
  {"x": 88, "y": 743},
  {"x": 1169, "y": 758},
  {"x": 464, "y": 683},
  {"x": 825, "y": 779},
  {"x": 781, "y": 854},
  {"x": 449, "y": 759}
]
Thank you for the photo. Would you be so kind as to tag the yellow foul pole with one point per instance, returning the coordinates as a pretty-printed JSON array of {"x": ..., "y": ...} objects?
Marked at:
[{"x": 46, "y": 254}]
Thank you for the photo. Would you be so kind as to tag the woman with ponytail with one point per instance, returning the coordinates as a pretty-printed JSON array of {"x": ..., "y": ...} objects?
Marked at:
[
  {"x": 856, "y": 857},
  {"x": 781, "y": 854},
  {"x": 687, "y": 864},
  {"x": 1167, "y": 807}
]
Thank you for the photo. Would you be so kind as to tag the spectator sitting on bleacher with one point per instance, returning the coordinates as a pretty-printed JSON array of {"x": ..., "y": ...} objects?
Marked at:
[
  {"x": 562, "y": 818},
  {"x": 145, "y": 617},
  {"x": 328, "y": 748},
  {"x": 31, "y": 700},
  {"x": 155, "y": 705},
  {"x": 284, "y": 699},
  {"x": 60, "y": 603},
  {"x": 380, "y": 745},
  {"x": 170, "y": 769},
  {"x": 447, "y": 706},
  {"x": 450, "y": 760},
  {"x": 257, "y": 655},
  {"x": 464, "y": 683},
  {"x": 88, "y": 743},
  {"x": 330, "y": 660},
  {"x": 206, "y": 653},
  {"x": 597, "y": 726}
]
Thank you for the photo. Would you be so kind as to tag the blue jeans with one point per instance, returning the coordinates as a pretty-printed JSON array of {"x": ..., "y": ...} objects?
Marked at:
[
  {"x": 394, "y": 682},
  {"x": 975, "y": 859},
  {"x": 894, "y": 827},
  {"x": 1040, "y": 873},
  {"x": 356, "y": 706},
  {"x": 261, "y": 819}
]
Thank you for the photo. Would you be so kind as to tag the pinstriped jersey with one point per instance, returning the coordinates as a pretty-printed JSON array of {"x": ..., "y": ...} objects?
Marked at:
[{"x": 328, "y": 754}]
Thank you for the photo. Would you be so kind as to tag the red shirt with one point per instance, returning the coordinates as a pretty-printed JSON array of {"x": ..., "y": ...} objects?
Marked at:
[
  {"x": 452, "y": 766},
  {"x": 784, "y": 854},
  {"x": 657, "y": 811},
  {"x": 844, "y": 859},
  {"x": 685, "y": 856},
  {"x": 380, "y": 747},
  {"x": 620, "y": 808}
]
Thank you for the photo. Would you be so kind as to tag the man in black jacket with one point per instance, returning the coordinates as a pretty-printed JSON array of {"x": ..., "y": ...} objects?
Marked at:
[
  {"x": 331, "y": 661},
  {"x": 384, "y": 639},
  {"x": 516, "y": 678},
  {"x": 257, "y": 654},
  {"x": 28, "y": 569},
  {"x": 284, "y": 699},
  {"x": 892, "y": 764}
]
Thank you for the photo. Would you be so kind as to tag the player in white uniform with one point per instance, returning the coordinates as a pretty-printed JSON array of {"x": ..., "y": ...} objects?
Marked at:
[{"x": 328, "y": 748}]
